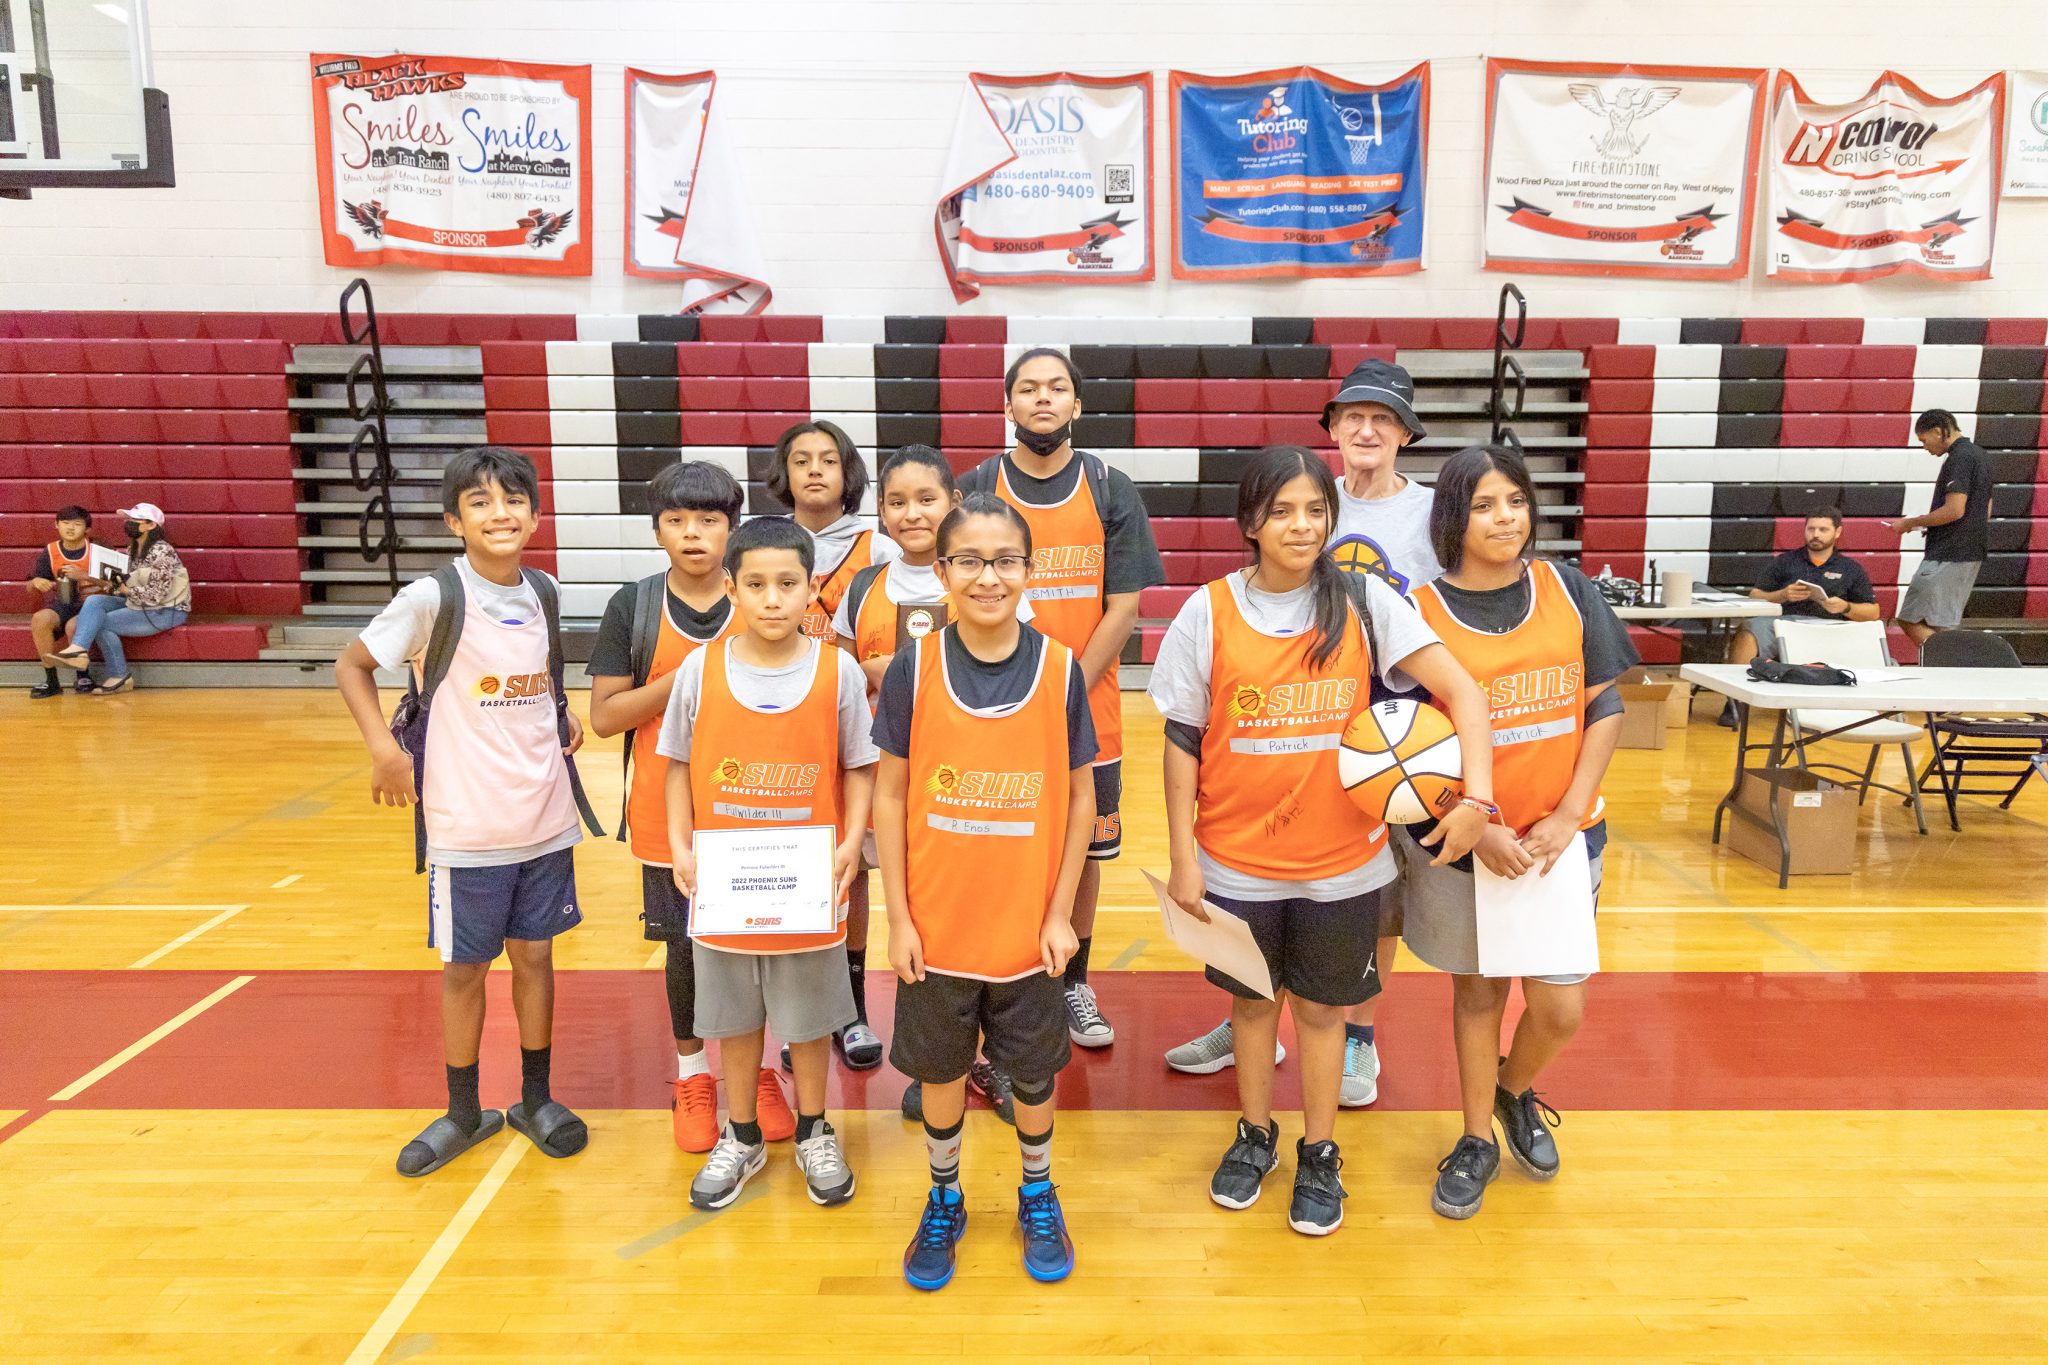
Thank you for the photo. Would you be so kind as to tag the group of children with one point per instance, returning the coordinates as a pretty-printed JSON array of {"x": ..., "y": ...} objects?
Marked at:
[{"x": 944, "y": 699}]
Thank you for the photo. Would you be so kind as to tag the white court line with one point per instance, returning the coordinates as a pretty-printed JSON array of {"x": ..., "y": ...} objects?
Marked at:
[
  {"x": 181, "y": 940},
  {"x": 659, "y": 957},
  {"x": 282, "y": 882},
  {"x": 416, "y": 1285},
  {"x": 147, "y": 1041},
  {"x": 125, "y": 909}
]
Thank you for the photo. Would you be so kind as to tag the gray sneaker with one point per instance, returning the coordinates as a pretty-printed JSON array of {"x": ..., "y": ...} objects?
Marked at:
[
  {"x": 1085, "y": 1024},
  {"x": 1462, "y": 1177},
  {"x": 1361, "y": 1085},
  {"x": 826, "y": 1173},
  {"x": 727, "y": 1170},
  {"x": 1245, "y": 1166},
  {"x": 1522, "y": 1119},
  {"x": 1212, "y": 1052}
]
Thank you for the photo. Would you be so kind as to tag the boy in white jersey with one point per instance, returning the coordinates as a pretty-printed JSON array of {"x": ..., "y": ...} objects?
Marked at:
[{"x": 494, "y": 784}]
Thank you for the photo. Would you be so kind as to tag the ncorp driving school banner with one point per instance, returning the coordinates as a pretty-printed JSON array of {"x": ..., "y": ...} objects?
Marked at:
[
  {"x": 1621, "y": 170},
  {"x": 1048, "y": 181},
  {"x": 1298, "y": 173},
  {"x": 1894, "y": 182},
  {"x": 2026, "y": 149},
  {"x": 687, "y": 212},
  {"x": 453, "y": 163}
]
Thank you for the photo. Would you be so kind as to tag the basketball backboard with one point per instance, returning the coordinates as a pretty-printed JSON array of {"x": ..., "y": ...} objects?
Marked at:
[{"x": 77, "y": 104}]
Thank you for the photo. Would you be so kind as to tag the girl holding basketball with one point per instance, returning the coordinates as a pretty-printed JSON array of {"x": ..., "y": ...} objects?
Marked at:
[
  {"x": 1258, "y": 676},
  {"x": 1548, "y": 649}
]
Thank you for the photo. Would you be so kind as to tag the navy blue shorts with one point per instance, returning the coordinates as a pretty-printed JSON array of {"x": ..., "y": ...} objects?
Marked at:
[{"x": 471, "y": 911}]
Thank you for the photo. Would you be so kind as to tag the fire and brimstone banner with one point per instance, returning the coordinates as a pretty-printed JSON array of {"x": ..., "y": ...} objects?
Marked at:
[
  {"x": 1621, "y": 170},
  {"x": 1298, "y": 173},
  {"x": 1893, "y": 182},
  {"x": 453, "y": 163},
  {"x": 1048, "y": 181},
  {"x": 687, "y": 214}
]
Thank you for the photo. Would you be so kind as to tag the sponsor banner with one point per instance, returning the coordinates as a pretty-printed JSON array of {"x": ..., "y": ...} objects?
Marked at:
[
  {"x": 2026, "y": 148},
  {"x": 1893, "y": 182},
  {"x": 1298, "y": 173},
  {"x": 1621, "y": 170},
  {"x": 453, "y": 163},
  {"x": 1048, "y": 181},
  {"x": 687, "y": 214}
]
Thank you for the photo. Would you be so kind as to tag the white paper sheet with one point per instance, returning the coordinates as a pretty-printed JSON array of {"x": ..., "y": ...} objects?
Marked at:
[
  {"x": 1224, "y": 943},
  {"x": 1538, "y": 925},
  {"x": 764, "y": 880}
]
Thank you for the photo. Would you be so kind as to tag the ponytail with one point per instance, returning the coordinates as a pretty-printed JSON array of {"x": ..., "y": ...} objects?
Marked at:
[{"x": 1332, "y": 603}]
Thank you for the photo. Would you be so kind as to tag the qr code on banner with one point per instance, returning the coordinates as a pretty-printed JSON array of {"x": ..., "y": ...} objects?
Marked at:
[{"x": 1116, "y": 185}]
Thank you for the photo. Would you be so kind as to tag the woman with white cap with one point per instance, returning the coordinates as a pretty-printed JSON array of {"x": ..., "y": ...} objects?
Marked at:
[{"x": 153, "y": 596}]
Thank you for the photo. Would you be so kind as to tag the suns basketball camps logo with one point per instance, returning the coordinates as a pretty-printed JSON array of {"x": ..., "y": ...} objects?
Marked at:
[
  {"x": 1252, "y": 706},
  {"x": 514, "y": 689},
  {"x": 983, "y": 787},
  {"x": 766, "y": 779}
]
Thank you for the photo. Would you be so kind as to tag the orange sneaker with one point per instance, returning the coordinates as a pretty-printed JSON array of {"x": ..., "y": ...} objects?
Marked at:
[
  {"x": 778, "y": 1124},
  {"x": 695, "y": 1113}
]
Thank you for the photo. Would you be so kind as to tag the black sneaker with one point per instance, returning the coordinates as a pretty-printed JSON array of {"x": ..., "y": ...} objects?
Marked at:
[
  {"x": 1522, "y": 1120},
  {"x": 913, "y": 1102},
  {"x": 1244, "y": 1168},
  {"x": 1726, "y": 720},
  {"x": 1318, "y": 1207},
  {"x": 43, "y": 691},
  {"x": 993, "y": 1086},
  {"x": 1462, "y": 1177}
]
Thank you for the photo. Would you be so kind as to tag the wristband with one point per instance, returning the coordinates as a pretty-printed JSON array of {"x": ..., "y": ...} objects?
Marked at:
[{"x": 1485, "y": 808}]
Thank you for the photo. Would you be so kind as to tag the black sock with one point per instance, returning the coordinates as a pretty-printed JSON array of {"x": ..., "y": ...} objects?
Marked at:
[
  {"x": 807, "y": 1126},
  {"x": 463, "y": 1108},
  {"x": 1361, "y": 1033},
  {"x": 50, "y": 676},
  {"x": 1077, "y": 965},
  {"x": 533, "y": 1075},
  {"x": 857, "y": 972},
  {"x": 749, "y": 1133}
]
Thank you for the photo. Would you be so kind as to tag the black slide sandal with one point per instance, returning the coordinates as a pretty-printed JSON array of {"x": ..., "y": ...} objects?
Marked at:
[
  {"x": 552, "y": 1128},
  {"x": 443, "y": 1142}
]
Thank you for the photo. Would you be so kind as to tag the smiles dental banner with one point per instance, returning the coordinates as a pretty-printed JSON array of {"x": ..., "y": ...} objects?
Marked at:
[
  {"x": 1621, "y": 170},
  {"x": 453, "y": 163},
  {"x": 686, "y": 207},
  {"x": 2026, "y": 148},
  {"x": 1893, "y": 182},
  {"x": 1048, "y": 181},
  {"x": 1298, "y": 173}
]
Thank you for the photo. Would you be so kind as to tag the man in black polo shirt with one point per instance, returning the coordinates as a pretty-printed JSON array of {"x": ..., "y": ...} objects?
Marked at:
[
  {"x": 1812, "y": 581},
  {"x": 1958, "y": 524}
]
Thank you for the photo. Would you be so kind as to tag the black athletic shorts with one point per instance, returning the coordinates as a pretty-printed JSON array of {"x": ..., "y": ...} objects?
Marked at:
[
  {"x": 664, "y": 909},
  {"x": 1021, "y": 1027},
  {"x": 1326, "y": 952},
  {"x": 1106, "y": 840}
]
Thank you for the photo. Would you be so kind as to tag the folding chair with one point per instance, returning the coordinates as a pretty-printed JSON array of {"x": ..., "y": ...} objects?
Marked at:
[
  {"x": 1960, "y": 747},
  {"x": 1851, "y": 645}
]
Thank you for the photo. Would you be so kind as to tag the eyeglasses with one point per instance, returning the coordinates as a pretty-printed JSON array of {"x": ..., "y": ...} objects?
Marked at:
[{"x": 1006, "y": 566}]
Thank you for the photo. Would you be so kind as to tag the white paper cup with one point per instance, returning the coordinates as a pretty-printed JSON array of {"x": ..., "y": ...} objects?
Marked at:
[{"x": 1677, "y": 588}]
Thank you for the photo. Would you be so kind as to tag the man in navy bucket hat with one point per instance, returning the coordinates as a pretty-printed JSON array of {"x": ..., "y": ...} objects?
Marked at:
[{"x": 1380, "y": 382}]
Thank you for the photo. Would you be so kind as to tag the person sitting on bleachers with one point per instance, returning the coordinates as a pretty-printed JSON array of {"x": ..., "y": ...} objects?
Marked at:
[
  {"x": 153, "y": 596},
  {"x": 63, "y": 577},
  {"x": 1813, "y": 581}
]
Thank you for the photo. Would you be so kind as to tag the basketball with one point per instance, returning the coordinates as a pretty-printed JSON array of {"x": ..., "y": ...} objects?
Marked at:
[{"x": 1399, "y": 762}]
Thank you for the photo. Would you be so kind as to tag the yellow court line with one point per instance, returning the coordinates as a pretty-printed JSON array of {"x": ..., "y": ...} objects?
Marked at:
[
  {"x": 416, "y": 1285},
  {"x": 148, "y": 959},
  {"x": 147, "y": 1041}
]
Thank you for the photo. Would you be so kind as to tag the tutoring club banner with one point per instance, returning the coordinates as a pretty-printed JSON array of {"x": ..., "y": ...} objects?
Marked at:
[
  {"x": 2026, "y": 149},
  {"x": 1894, "y": 182},
  {"x": 1048, "y": 181},
  {"x": 453, "y": 163},
  {"x": 1621, "y": 170},
  {"x": 686, "y": 207},
  {"x": 1297, "y": 173}
]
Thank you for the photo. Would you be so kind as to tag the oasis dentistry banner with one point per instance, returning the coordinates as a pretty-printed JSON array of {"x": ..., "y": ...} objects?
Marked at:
[
  {"x": 686, "y": 207},
  {"x": 1893, "y": 182},
  {"x": 2026, "y": 149},
  {"x": 1048, "y": 181},
  {"x": 1621, "y": 170},
  {"x": 453, "y": 163},
  {"x": 1298, "y": 173}
]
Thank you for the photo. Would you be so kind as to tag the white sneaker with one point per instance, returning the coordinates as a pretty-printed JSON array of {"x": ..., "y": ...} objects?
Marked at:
[
  {"x": 727, "y": 1170},
  {"x": 826, "y": 1173},
  {"x": 1361, "y": 1084},
  {"x": 1085, "y": 1024},
  {"x": 1212, "y": 1052}
]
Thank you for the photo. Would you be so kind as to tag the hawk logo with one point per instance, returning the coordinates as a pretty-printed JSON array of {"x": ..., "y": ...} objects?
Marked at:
[
  {"x": 728, "y": 772},
  {"x": 543, "y": 227},
  {"x": 369, "y": 216},
  {"x": 944, "y": 780},
  {"x": 1246, "y": 701},
  {"x": 1632, "y": 104},
  {"x": 1363, "y": 555}
]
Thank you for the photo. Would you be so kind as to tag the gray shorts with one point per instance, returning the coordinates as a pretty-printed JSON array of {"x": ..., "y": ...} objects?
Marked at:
[
  {"x": 1763, "y": 630},
  {"x": 1442, "y": 923},
  {"x": 1938, "y": 593},
  {"x": 801, "y": 996}
]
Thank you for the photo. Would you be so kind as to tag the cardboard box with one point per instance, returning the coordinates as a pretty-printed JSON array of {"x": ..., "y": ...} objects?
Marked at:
[
  {"x": 1819, "y": 817},
  {"x": 1643, "y": 701}
]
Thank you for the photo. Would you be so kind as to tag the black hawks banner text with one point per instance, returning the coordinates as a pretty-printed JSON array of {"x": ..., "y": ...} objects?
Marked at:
[
  {"x": 1621, "y": 170},
  {"x": 453, "y": 163},
  {"x": 1894, "y": 182},
  {"x": 1048, "y": 180},
  {"x": 686, "y": 207}
]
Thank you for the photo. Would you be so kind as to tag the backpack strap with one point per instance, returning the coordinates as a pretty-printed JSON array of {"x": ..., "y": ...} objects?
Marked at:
[
  {"x": 645, "y": 635},
  {"x": 551, "y": 608},
  {"x": 452, "y": 605},
  {"x": 857, "y": 593}
]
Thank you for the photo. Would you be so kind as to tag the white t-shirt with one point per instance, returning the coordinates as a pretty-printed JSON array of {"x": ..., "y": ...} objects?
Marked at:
[
  {"x": 1180, "y": 689},
  {"x": 1389, "y": 535}
]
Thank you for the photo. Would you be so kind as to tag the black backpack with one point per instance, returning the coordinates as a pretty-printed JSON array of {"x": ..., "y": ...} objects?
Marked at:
[
  {"x": 409, "y": 717},
  {"x": 982, "y": 478},
  {"x": 646, "y": 636}
]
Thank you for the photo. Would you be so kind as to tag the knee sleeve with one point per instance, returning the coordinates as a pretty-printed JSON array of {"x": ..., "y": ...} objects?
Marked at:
[
  {"x": 681, "y": 974},
  {"x": 1028, "y": 1094}
]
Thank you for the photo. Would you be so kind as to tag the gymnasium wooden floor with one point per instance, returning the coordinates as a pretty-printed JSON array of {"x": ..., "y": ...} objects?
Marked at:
[{"x": 1799, "y": 1125}]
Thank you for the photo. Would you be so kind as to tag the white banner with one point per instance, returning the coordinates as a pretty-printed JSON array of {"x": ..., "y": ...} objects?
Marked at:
[
  {"x": 1894, "y": 182},
  {"x": 2026, "y": 149},
  {"x": 1621, "y": 170},
  {"x": 687, "y": 214},
  {"x": 453, "y": 163},
  {"x": 1048, "y": 180}
]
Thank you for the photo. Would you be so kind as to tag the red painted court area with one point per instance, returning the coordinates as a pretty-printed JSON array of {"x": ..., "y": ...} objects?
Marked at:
[{"x": 1652, "y": 1041}]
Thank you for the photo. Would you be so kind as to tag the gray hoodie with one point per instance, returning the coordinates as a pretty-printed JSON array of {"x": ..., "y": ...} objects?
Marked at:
[{"x": 835, "y": 542}]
